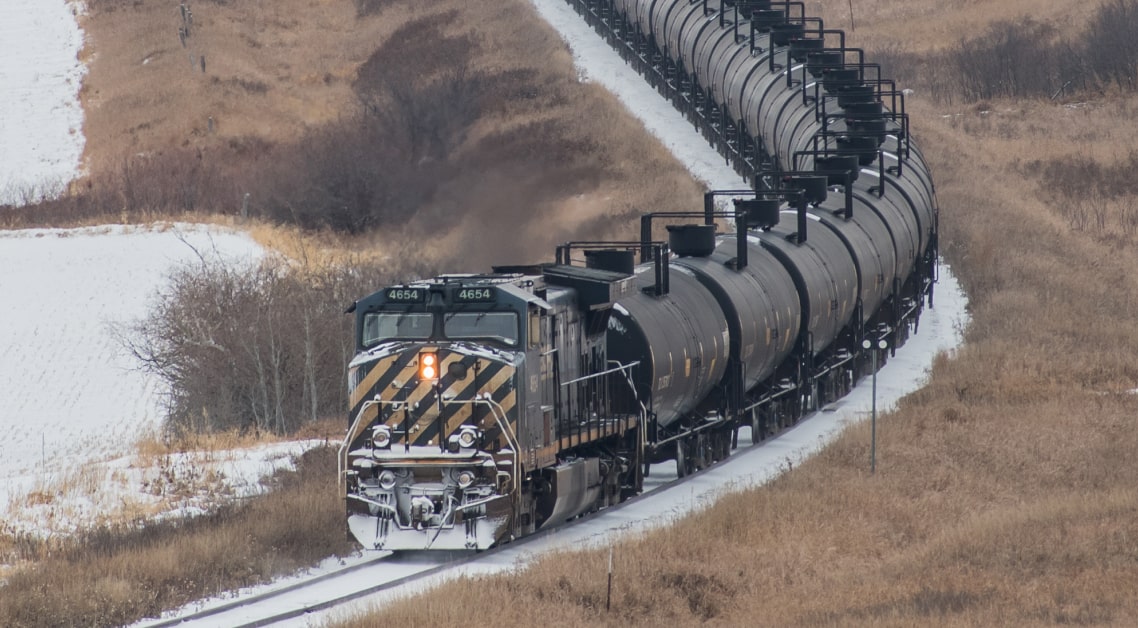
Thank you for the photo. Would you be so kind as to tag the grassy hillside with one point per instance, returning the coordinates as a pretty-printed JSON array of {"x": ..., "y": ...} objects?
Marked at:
[
  {"x": 446, "y": 124},
  {"x": 1005, "y": 490}
]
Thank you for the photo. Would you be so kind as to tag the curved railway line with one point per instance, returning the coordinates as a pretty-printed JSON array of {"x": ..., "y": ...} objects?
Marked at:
[
  {"x": 400, "y": 572},
  {"x": 666, "y": 498}
]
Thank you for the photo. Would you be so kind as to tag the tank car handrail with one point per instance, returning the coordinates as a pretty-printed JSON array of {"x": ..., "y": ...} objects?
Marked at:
[
  {"x": 847, "y": 211},
  {"x": 822, "y": 135},
  {"x": 621, "y": 367}
]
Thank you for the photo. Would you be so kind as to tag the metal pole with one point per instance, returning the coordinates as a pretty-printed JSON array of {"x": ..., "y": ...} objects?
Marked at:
[
  {"x": 608, "y": 596},
  {"x": 873, "y": 420},
  {"x": 874, "y": 347}
]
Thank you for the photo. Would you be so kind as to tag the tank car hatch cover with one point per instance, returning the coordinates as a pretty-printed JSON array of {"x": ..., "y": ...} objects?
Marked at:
[{"x": 597, "y": 289}]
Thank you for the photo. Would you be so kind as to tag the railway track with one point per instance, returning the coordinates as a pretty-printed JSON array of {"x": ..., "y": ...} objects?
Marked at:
[
  {"x": 662, "y": 500},
  {"x": 310, "y": 602}
]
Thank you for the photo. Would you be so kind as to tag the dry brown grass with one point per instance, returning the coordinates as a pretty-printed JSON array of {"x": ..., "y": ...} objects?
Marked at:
[
  {"x": 924, "y": 26},
  {"x": 272, "y": 68},
  {"x": 278, "y": 70},
  {"x": 1005, "y": 488},
  {"x": 113, "y": 576}
]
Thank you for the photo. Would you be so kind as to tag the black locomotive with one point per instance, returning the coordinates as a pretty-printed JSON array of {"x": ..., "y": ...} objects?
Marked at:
[{"x": 487, "y": 406}]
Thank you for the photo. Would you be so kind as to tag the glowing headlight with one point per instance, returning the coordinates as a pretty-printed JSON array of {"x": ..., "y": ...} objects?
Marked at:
[
  {"x": 381, "y": 436},
  {"x": 428, "y": 366},
  {"x": 468, "y": 437},
  {"x": 465, "y": 479},
  {"x": 387, "y": 480}
]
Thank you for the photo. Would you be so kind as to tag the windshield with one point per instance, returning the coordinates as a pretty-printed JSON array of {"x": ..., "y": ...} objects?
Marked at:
[
  {"x": 500, "y": 326},
  {"x": 390, "y": 325}
]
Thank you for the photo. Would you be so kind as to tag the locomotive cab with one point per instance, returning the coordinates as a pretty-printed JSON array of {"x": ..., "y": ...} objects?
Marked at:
[
  {"x": 432, "y": 451},
  {"x": 468, "y": 395}
]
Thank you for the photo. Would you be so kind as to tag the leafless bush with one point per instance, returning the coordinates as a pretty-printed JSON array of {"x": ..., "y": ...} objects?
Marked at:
[
  {"x": 1112, "y": 48},
  {"x": 1027, "y": 58},
  {"x": 1012, "y": 60},
  {"x": 254, "y": 349},
  {"x": 1091, "y": 194}
]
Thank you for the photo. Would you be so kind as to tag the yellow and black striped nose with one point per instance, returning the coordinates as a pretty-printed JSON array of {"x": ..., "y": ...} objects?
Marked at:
[{"x": 436, "y": 390}]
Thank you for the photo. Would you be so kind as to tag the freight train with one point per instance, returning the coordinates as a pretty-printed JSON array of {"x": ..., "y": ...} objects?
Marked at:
[{"x": 486, "y": 406}]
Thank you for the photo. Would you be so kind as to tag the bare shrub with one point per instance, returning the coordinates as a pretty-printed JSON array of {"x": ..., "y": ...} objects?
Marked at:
[
  {"x": 902, "y": 65},
  {"x": 1011, "y": 60},
  {"x": 1112, "y": 48},
  {"x": 1088, "y": 193},
  {"x": 1028, "y": 58},
  {"x": 251, "y": 349}
]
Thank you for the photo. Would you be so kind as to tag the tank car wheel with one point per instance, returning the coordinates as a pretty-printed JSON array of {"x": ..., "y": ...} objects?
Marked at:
[
  {"x": 756, "y": 426},
  {"x": 725, "y": 446},
  {"x": 702, "y": 458}
]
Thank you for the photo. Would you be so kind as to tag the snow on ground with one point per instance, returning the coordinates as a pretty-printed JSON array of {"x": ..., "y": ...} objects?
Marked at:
[
  {"x": 41, "y": 122},
  {"x": 596, "y": 61},
  {"x": 940, "y": 332},
  {"x": 72, "y": 395},
  {"x": 73, "y": 403},
  {"x": 748, "y": 467}
]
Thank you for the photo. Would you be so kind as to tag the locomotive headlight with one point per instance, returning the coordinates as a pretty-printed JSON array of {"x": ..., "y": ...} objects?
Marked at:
[
  {"x": 465, "y": 479},
  {"x": 428, "y": 365},
  {"x": 381, "y": 437},
  {"x": 387, "y": 479},
  {"x": 468, "y": 437}
]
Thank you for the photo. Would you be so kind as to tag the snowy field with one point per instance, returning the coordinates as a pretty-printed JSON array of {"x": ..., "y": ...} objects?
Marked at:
[
  {"x": 73, "y": 403},
  {"x": 73, "y": 396},
  {"x": 41, "y": 122}
]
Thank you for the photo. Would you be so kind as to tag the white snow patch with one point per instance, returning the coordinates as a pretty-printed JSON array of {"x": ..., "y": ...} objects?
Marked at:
[
  {"x": 41, "y": 121},
  {"x": 597, "y": 61},
  {"x": 71, "y": 394}
]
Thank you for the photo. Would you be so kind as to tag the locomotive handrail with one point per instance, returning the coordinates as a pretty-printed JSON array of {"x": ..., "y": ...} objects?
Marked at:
[
  {"x": 504, "y": 425},
  {"x": 353, "y": 432},
  {"x": 356, "y": 429},
  {"x": 709, "y": 214}
]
